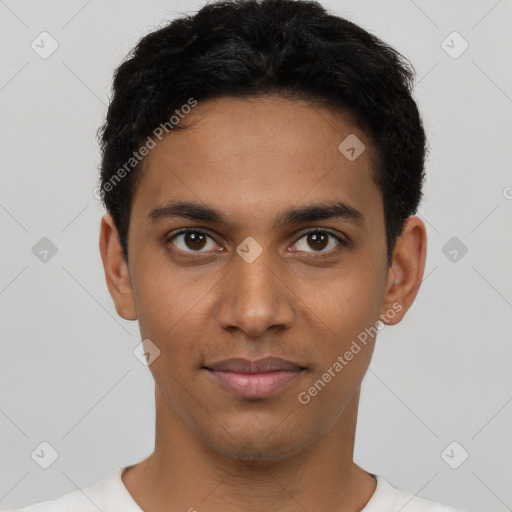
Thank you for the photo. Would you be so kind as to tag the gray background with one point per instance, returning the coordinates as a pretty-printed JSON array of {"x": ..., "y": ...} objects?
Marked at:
[{"x": 68, "y": 375}]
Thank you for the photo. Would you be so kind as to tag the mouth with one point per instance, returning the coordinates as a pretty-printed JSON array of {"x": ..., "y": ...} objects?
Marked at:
[{"x": 254, "y": 379}]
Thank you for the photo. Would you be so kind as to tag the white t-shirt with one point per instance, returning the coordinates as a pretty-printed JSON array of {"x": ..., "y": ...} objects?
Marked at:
[{"x": 111, "y": 495}]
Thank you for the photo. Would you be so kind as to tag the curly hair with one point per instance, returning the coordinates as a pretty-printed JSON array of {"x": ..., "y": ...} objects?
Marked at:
[{"x": 245, "y": 48}]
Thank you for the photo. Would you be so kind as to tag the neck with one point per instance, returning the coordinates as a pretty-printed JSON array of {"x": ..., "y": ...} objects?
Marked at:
[{"x": 184, "y": 473}]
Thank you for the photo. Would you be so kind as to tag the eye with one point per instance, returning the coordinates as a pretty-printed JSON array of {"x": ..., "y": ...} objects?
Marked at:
[
  {"x": 192, "y": 240},
  {"x": 321, "y": 241}
]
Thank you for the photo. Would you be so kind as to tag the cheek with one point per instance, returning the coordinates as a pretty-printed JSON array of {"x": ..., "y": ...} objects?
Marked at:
[
  {"x": 343, "y": 354},
  {"x": 344, "y": 321},
  {"x": 169, "y": 323},
  {"x": 165, "y": 296},
  {"x": 344, "y": 303}
]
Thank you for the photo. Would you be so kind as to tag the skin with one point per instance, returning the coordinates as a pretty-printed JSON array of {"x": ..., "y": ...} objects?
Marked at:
[{"x": 253, "y": 159}]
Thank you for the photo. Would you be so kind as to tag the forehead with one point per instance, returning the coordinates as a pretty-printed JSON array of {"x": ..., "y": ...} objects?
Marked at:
[{"x": 261, "y": 155}]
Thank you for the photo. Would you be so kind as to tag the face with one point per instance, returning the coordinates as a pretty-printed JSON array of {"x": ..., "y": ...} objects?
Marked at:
[{"x": 258, "y": 267}]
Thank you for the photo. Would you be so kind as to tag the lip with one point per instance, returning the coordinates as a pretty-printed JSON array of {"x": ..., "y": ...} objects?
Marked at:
[{"x": 261, "y": 378}]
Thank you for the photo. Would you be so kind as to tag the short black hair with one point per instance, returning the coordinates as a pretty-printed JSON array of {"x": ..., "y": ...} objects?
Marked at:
[{"x": 294, "y": 49}]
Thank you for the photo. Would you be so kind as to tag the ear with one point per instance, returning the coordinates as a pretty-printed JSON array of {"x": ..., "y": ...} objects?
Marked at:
[
  {"x": 406, "y": 271},
  {"x": 116, "y": 269}
]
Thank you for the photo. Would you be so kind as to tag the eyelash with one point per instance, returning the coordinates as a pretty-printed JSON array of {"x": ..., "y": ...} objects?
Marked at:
[{"x": 195, "y": 254}]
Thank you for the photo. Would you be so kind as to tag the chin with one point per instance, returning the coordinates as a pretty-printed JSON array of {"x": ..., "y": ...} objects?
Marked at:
[{"x": 253, "y": 446}]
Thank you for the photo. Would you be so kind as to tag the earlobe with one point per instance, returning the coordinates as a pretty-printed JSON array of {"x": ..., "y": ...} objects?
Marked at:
[
  {"x": 406, "y": 272},
  {"x": 117, "y": 275}
]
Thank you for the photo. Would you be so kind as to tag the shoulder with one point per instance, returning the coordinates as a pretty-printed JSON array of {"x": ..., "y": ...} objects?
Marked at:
[
  {"x": 90, "y": 499},
  {"x": 390, "y": 499}
]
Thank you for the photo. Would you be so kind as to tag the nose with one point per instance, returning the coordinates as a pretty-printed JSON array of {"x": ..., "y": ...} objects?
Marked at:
[{"x": 254, "y": 298}]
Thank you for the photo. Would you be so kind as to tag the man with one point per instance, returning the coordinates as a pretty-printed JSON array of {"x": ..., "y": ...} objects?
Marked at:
[{"x": 261, "y": 163}]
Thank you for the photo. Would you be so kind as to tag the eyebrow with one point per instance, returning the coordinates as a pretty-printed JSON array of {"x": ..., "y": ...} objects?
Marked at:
[{"x": 196, "y": 211}]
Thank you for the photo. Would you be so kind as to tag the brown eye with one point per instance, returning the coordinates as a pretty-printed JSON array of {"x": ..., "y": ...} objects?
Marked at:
[
  {"x": 317, "y": 241},
  {"x": 194, "y": 240},
  {"x": 191, "y": 240}
]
